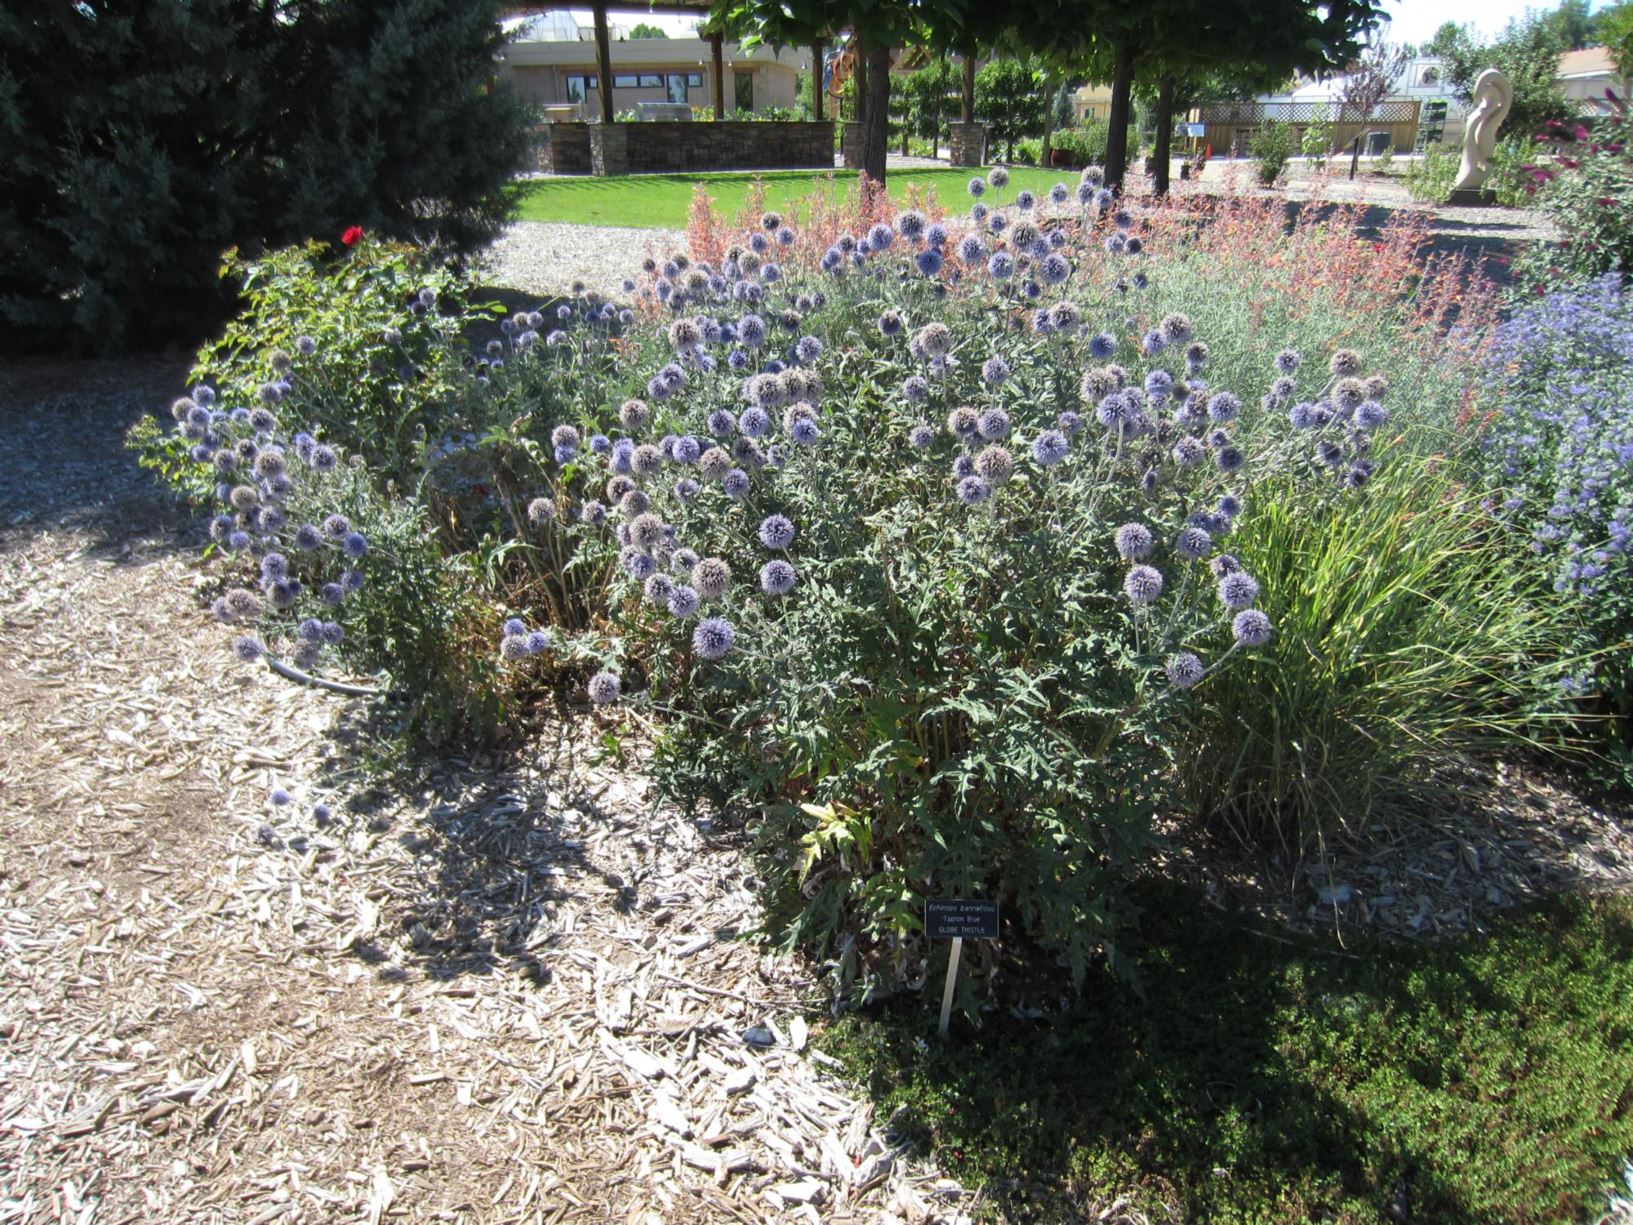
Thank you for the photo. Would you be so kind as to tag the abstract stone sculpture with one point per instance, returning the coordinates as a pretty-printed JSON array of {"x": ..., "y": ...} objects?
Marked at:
[{"x": 1493, "y": 95}]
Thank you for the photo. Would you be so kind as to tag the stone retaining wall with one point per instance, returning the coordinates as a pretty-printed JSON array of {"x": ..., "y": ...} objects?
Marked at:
[{"x": 564, "y": 148}]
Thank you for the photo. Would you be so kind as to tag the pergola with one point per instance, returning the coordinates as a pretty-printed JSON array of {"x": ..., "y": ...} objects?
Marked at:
[{"x": 603, "y": 47}]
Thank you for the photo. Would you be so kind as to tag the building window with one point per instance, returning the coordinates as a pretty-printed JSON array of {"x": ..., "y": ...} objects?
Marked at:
[
  {"x": 695, "y": 80},
  {"x": 578, "y": 84},
  {"x": 677, "y": 87},
  {"x": 1431, "y": 76},
  {"x": 743, "y": 83},
  {"x": 627, "y": 81},
  {"x": 651, "y": 80}
]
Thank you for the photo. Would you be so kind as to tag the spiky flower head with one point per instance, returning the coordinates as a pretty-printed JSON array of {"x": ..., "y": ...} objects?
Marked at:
[
  {"x": 963, "y": 422},
  {"x": 993, "y": 424},
  {"x": 777, "y": 577},
  {"x": 921, "y": 437},
  {"x": 1143, "y": 585},
  {"x": 1238, "y": 590},
  {"x": 713, "y": 638},
  {"x": 1184, "y": 670},
  {"x": 1050, "y": 448},
  {"x": 776, "y": 532},
  {"x": 1346, "y": 363},
  {"x": 604, "y": 688},
  {"x": 994, "y": 465},
  {"x": 1134, "y": 542},
  {"x": 1251, "y": 628},
  {"x": 973, "y": 490},
  {"x": 711, "y": 577}
]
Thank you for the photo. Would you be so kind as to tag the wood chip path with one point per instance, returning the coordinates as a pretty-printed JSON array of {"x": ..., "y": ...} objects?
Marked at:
[{"x": 514, "y": 992}]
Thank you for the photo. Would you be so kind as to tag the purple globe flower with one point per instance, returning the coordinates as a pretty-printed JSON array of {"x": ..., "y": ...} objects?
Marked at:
[
  {"x": 776, "y": 532},
  {"x": 921, "y": 437},
  {"x": 993, "y": 424},
  {"x": 805, "y": 432},
  {"x": 1184, "y": 670},
  {"x": 994, "y": 371},
  {"x": 1001, "y": 265},
  {"x": 736, "y": 484},
  {"x": 776, "y": 577},
  {"x": 1143, "y": 585},
  {"x": 1193, "y": 544},
  {"x": 976, "y": 186},
  {"x": 916, "y": 389},
  {"x": 683, "y": 601},
  {"x": 537, "y": 642},
  {"x": 929, "y": 261},
  {"x": 1102, "y": 345},
  {"x": 515, "y": 627},
  {"x": 355, "y": 544},
  {"x": 1054, "y": 269},
  {"x": 1238, "y": 590},
  {"x": 972, "y": 490},
  {"x": 248, "y": 648},
  {"x": 754, "y": 421},
  {"x": 1369, "y": 414},
  {"x": 1251, "y": 628},
  {"x": 713, "y": 637},
  {"x": 1134, "y": 542},
  {"x": 1050, "y": 448},
  {"x": 1287, "y": 361},
  {"x": 972, "y": 247},
  {"x": 604, "y": 688}
]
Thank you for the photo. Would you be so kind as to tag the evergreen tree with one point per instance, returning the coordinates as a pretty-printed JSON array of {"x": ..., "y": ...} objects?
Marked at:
[{"x": 141, "y": 138}]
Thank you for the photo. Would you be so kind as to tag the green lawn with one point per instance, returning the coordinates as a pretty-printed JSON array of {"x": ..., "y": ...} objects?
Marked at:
[
  {"x": 660, "y": 201},
  {"x": 1255, "y": 1077}
]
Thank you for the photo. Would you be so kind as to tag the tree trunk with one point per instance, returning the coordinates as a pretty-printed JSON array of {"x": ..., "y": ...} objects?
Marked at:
[
  {"x": 968, "y": 100},
  {"x": 876, "y": 121},
  {"x": 1048, "y": 123},
  {"x": 1122, "y": 89},
  {"x": 1165, "y": 130}
]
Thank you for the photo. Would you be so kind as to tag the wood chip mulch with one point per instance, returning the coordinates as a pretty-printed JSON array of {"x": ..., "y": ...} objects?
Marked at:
[{"x": 514, "y": 992}]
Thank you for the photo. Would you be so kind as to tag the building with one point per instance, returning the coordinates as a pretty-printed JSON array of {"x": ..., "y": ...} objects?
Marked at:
[
  {"x": 1585, "y": 75},
  {"x": 552, "y": 62},
  {"x": 1091, "y": 102}
]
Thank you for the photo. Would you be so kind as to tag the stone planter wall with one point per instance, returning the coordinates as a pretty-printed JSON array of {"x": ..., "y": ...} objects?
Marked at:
[
  {"x": 564, "y": 148},
  {"x": 967, "y": 144},
  {"x": 850, "y": 145},
  {"x": 658, "y": 148}
]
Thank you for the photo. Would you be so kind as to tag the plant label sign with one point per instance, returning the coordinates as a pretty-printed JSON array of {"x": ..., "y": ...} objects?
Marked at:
[
  {"x": 973, "y": 918},
  {"x": 958, "y": 920}
]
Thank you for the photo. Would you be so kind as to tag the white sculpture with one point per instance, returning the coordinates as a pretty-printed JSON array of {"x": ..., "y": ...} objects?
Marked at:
[{"x": 1493, "y": 95}]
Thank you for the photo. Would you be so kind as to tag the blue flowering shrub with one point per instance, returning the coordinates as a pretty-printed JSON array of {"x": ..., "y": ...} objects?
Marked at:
[
  {"x": 1560, "y": 451},
  {"x": 952, "y": 554}
]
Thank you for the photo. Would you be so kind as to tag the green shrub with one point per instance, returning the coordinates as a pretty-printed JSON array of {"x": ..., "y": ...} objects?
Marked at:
[
  {"x": 1084, "y": 144},
  {"x": 1413, "y": 633},
  {"x": 1431, "y": 176},
  {"x": 385, "y": 369},
  {"x": 192, "y": 127},
  {"x": 1270, "y": 148}
]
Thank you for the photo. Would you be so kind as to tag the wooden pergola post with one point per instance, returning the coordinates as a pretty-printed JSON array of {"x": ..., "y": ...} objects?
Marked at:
[
  {"x": 603, "y": 60},
  {"x": 968, "y": 112},
  {"x": 816, "y": 79},
  {"x": 715, "y": 42}
]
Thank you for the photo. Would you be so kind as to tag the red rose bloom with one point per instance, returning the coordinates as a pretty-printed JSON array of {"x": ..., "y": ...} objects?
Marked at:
[{"x": 353, "y": 234}]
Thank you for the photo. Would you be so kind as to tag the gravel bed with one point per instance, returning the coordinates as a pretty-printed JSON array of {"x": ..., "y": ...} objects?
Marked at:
[{"x": 546, "y": 257}]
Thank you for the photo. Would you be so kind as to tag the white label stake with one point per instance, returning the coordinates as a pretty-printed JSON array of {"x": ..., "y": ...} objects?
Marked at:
[{"x": 952, "y": 978}]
